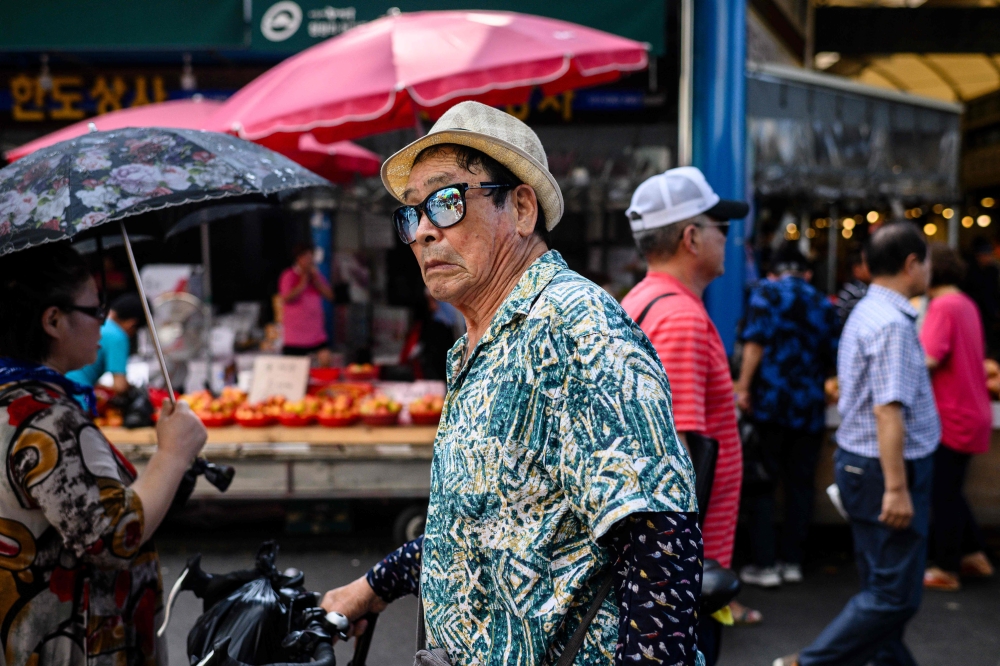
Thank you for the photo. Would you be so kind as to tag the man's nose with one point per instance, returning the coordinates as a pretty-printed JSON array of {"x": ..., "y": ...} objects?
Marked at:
[{"x": 427, "y": 233}]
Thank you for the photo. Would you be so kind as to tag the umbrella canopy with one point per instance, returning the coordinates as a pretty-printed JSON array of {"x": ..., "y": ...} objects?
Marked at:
[
  {"x": 70, "y": 187},
  {"x": 337, "y": 162},
  {"x": 375, "y": 77},
  {"x": 194, "y": 113}
]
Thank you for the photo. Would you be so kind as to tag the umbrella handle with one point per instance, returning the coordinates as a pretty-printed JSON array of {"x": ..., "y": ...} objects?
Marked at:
[{"x": 149, "y": 315}]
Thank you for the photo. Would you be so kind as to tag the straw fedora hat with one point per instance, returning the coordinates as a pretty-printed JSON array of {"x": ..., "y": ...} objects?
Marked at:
[{"x": 501, "y": 136}]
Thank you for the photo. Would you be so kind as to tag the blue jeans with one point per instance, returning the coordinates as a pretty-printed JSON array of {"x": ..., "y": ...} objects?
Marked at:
[{"x": 890, "y": 564}]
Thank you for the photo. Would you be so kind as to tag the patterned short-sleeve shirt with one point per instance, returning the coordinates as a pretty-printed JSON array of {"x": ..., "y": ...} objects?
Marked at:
[{"x": 556, "y": 427}]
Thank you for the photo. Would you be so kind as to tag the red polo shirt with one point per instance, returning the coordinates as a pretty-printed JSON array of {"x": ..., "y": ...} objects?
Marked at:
[{"x": 702, "y": 392}]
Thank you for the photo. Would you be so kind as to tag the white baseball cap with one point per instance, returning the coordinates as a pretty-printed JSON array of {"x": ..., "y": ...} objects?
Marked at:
[{"x": 677, "y": 195}]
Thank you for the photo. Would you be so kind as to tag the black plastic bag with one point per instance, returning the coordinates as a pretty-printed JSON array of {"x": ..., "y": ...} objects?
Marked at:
[{"x": 253, "y": 618}]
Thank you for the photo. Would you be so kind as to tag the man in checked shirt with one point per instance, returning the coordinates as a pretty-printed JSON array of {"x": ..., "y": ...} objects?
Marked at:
[{"x": 884, "y": 461}]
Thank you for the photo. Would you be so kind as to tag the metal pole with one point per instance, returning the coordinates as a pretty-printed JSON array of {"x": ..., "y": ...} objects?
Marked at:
[
  {"x": 831, "y": 253},
  {"x": 206, "y": 297},
  {"x": 684, "y": 96},
  {"x": 953, "y": 227},
  {"x": 149, "y": 315}
]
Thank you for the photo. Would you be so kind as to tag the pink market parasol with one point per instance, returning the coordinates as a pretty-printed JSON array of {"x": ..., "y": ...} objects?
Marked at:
[
  {"x": 378, "y": 76},
  {"x": 337, "y": 162},
  {"x": 194, "y": 113}
]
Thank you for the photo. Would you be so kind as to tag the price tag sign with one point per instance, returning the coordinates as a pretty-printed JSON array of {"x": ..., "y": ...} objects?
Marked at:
[{"x": 279, "y": 375}]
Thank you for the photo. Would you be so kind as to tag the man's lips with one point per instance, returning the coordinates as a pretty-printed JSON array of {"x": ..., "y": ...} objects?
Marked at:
[{"x": 436, "y": 264}]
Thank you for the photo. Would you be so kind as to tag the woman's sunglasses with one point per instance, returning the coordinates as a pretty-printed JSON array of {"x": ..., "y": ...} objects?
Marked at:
[
  {"x": 444, "y": 208},
  {"x": 98, "y": 312}
]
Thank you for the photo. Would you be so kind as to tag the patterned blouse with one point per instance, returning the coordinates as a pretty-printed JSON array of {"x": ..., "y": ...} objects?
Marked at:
[
  {"x": 557, "y": 427},
  {"x": 76, "y": 586}
]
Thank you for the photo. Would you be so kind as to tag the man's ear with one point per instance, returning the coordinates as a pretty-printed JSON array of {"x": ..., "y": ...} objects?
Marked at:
[
  {"x": 690, "y": 239},
  {"x": 525, "y": 209}
]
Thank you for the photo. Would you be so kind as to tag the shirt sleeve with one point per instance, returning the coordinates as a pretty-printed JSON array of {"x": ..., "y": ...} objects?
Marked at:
[
  {"x": 657, "y": 580},
  {"x": 615, "y": 450},
  {"x": 63, "y": 465},
  {"x": 759, "y": 325},
  {"x": 937, "y": 333},
  {"x": 398, "y": 574},
  {"x": 116, "y": 349},
  {"x": 894, "y": 371},
  {"x": 680, "y": 343}
]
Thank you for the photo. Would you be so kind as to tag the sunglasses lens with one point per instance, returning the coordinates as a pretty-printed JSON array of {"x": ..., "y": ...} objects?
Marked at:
[
  {"x": 446, "y": 207},
  {"x": 406, "y": 220}
]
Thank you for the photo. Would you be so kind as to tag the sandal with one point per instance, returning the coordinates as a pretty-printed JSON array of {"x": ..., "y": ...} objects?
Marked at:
[
  {"x": 939, "y": 579},
  {"x": 743, "y": 615},
  {"x": 976, "y": 565}
]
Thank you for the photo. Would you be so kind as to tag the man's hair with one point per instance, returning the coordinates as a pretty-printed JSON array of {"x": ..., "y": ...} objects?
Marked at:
[
  {"x": 31, "y": 281},
  {"x": 947, "y": 267},
  {"x": 662, "y": 243},
  {"x": 301, "y": 248},
  {"x": 477, "y": 162},
  {"x": 128, "y": 306},
  {"x": 888, "y": 248},
  {"x": 789, "y": 258}
]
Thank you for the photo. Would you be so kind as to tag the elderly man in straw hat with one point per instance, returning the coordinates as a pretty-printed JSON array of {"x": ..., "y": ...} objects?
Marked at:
[{"x": 557, "y": 473}]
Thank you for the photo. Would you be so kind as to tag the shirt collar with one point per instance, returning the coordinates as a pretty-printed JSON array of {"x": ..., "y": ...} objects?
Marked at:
[
  {"x": 673, "y": 283},
  {"x": 893, "y": 298},
  {"x": 516, "y": 306}
]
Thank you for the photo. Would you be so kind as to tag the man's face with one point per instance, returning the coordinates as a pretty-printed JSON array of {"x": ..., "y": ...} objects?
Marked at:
[
  {"x": 458, "y": 262},
  {"x": 712, "y": 258},
  {"x": 919, "y": 274}
]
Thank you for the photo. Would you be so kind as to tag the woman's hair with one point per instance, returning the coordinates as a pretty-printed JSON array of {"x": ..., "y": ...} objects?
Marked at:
[
  {"x": 947, "y": 268},
  {"x": 301, "y": 248},
  {"x": 32, "y": 281}
]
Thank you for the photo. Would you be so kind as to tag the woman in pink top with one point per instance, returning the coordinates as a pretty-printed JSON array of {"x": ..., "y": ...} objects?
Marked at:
[
  {"x": 302, "y": 290},
  {"x": 952, "y": 336}
]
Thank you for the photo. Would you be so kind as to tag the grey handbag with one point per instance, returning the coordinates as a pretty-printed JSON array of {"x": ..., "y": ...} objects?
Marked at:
[{"x": 439, "y": 657}]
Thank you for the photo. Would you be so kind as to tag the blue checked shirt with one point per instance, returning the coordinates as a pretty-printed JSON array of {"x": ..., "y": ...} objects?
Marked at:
[{"x": 881, "y": 361}]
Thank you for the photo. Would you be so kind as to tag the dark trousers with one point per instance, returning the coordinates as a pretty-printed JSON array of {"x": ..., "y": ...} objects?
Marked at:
[
  {"x": 790, "y": 457},
  {"x": 890, "y": 565},
  {"x": 955, "y": 531},
  {"x": 709, "y": 633}
]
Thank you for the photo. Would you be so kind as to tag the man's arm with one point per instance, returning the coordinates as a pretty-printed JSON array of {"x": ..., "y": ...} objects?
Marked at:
[
  {"x": 752, "y": 354},
  {"x": 657, "y": 579},
  {"x": 397, "y": 575},
  {"x": 897, "y": 508}
]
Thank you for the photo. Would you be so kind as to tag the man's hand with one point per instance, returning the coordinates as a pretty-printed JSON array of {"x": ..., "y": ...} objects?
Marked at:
[
  {"x": 743, "y": 399},
  {"x": 354, "y": 601},
  {"x": 897, "y": 509}
]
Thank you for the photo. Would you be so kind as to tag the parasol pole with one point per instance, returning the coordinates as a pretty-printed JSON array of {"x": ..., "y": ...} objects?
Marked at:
[
  {"x": 149, "y": 315},
  {"x": 206, "y": 294}
]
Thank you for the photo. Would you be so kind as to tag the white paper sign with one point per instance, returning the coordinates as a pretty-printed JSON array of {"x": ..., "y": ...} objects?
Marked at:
[{"x": 279, "y": 375}]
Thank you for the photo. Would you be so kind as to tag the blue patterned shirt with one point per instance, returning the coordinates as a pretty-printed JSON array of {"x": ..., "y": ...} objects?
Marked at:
[
  {"x": 881, "y": 361},
  {"x": 797, "y": 327},
  {"x": 556, "y": 428}
]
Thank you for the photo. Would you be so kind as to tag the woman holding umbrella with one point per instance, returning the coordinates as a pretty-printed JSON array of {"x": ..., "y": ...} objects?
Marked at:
[{"x": 79, "y": 576}]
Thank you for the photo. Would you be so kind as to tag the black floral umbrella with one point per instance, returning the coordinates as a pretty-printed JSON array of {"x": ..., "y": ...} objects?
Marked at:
[{"x": 74, "y": 186}]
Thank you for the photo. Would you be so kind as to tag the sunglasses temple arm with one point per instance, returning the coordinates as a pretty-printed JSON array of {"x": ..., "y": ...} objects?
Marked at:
[{"x": 149, "y": 315}]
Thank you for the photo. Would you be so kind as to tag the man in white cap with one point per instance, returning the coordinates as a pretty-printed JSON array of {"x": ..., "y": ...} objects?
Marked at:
[
  {"x": 680, "y": 226},
  {"x": 557, "y": 473}
]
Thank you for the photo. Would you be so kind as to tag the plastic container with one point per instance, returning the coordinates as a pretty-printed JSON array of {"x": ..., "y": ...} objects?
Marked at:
[
  {"x": 425, "y": 419},
  {"x": 256, "y": 422},
  {"x": 216, "y": 421},
  {"x": 380, "y": 420},
  {"x": 295, "y": 420},
  {"x": 338, "y": 421}
]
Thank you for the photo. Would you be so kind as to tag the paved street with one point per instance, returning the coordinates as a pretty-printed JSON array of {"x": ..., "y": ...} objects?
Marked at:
[{"x": 959, "y": 628}]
